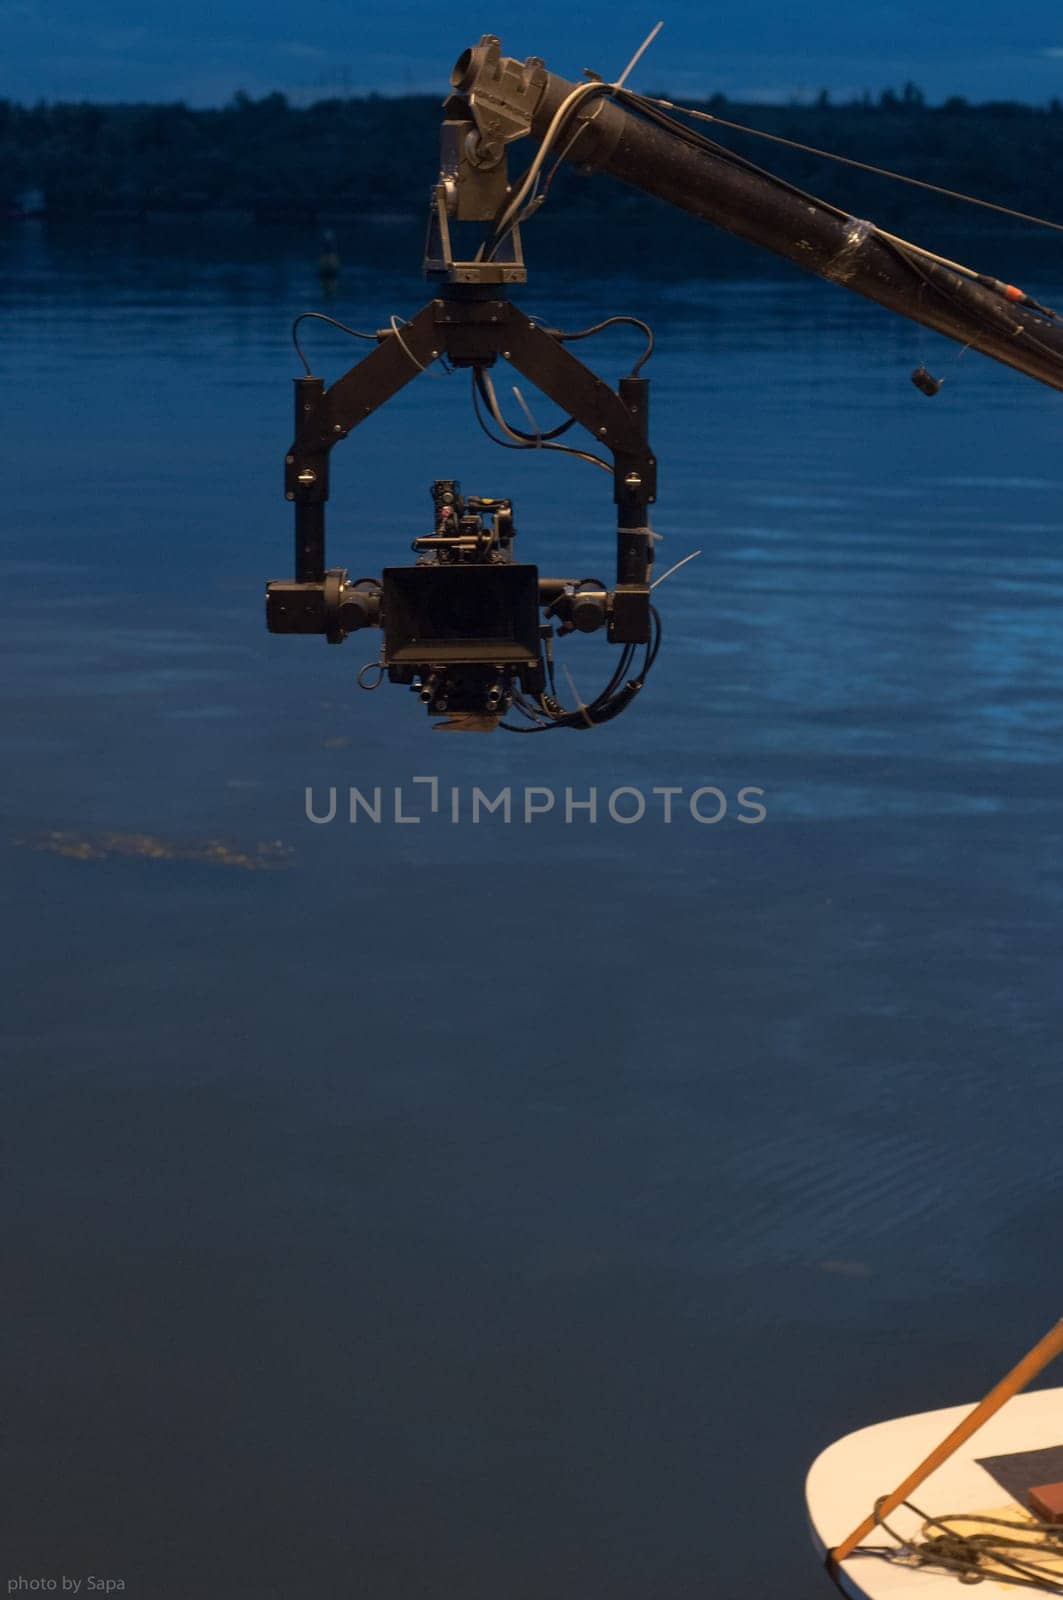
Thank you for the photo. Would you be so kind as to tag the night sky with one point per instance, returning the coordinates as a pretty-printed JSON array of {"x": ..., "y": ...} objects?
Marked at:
[{"x": 762, "y": 50}]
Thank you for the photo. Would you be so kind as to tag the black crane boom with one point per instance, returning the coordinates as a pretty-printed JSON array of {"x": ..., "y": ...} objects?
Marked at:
[{"x": 637, "y": 144}]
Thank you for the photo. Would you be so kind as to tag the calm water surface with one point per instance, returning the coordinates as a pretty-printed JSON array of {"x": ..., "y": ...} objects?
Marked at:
[{"x": 512, "y": 1211}]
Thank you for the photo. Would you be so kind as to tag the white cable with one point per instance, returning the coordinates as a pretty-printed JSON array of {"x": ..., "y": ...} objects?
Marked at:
[
  {"x": 582, "y": 91},
  {"x": 404, "y": 347},
  {"x": 496, "y": 411},
  {"x": 931, "y": 255},
  {"x": 528, "y": 444}
]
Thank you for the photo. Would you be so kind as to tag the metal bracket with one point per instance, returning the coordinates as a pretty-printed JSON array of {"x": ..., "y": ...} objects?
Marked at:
[
  {"x": 507, "y": 266},
  {"x": 502, "y": 94},
  {"x": 473, "y": 329}
]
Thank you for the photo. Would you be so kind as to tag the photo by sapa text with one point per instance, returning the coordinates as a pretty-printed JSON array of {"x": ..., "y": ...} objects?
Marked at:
[
  {"x": 64, "y": 1585},
  {"x": 424, "y": 798}
]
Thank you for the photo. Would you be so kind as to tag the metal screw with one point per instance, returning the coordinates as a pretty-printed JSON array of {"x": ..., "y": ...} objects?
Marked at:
[
  {"x": 289, "y": 460},
  {"x": 289, "y": 495},
  {"x": 633, "y": 481},
  {"x": 602, "y": 432},
  {"x": 337, "y": 427},
  {"x": 307, "y": 476}
]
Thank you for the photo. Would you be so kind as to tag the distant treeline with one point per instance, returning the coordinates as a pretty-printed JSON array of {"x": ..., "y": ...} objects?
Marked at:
[{"x": 348, "y": 158}]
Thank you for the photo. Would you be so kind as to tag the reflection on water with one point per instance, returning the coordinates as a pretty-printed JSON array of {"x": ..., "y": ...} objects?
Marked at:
[
  {"x": 513, "y": 1209},
  {"x": 264, "y": 857}
]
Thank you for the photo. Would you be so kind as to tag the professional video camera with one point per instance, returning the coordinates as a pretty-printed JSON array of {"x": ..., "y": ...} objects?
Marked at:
[{"x": 462, "y": 628}]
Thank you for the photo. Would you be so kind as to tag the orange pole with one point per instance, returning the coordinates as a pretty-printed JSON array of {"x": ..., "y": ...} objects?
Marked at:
[{"x": 1033, "y": 1362}]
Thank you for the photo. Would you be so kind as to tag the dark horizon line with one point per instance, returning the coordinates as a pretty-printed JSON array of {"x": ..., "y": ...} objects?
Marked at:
[{"x": 908, "y": 97}]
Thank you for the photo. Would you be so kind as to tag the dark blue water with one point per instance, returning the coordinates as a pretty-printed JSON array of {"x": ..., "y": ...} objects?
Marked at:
[{"x": 511, "y": 1210}]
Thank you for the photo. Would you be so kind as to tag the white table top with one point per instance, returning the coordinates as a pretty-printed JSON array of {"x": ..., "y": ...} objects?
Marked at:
[{"x": 850, "y": 1475}]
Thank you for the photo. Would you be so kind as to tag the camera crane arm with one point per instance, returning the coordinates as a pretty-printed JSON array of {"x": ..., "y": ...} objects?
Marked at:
[
  {"x": 472, "y": 324},
  {"x": 461, "y": 627},
  {"x": 631, "y": 139}
]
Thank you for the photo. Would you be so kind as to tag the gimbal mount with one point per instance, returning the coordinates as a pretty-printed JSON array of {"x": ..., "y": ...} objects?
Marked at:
[{"x": 459, "y": 630}]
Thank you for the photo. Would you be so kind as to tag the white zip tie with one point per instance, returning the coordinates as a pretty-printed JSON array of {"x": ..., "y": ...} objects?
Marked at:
[
  {"x": 580, "y": 702},
  {"x": 639, "y": 53},
  {"x": 676, "y": 568},
  {"x": 535, "y": 428}
]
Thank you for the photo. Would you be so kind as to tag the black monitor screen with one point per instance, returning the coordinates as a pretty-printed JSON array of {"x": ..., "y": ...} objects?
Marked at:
[{"x": 461, "y": 613}]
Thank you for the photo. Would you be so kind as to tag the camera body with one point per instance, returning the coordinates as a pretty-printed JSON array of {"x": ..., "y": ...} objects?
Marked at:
[
  {"x": 465, "y": 626},
  {"x": 463, "y": 623}
]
